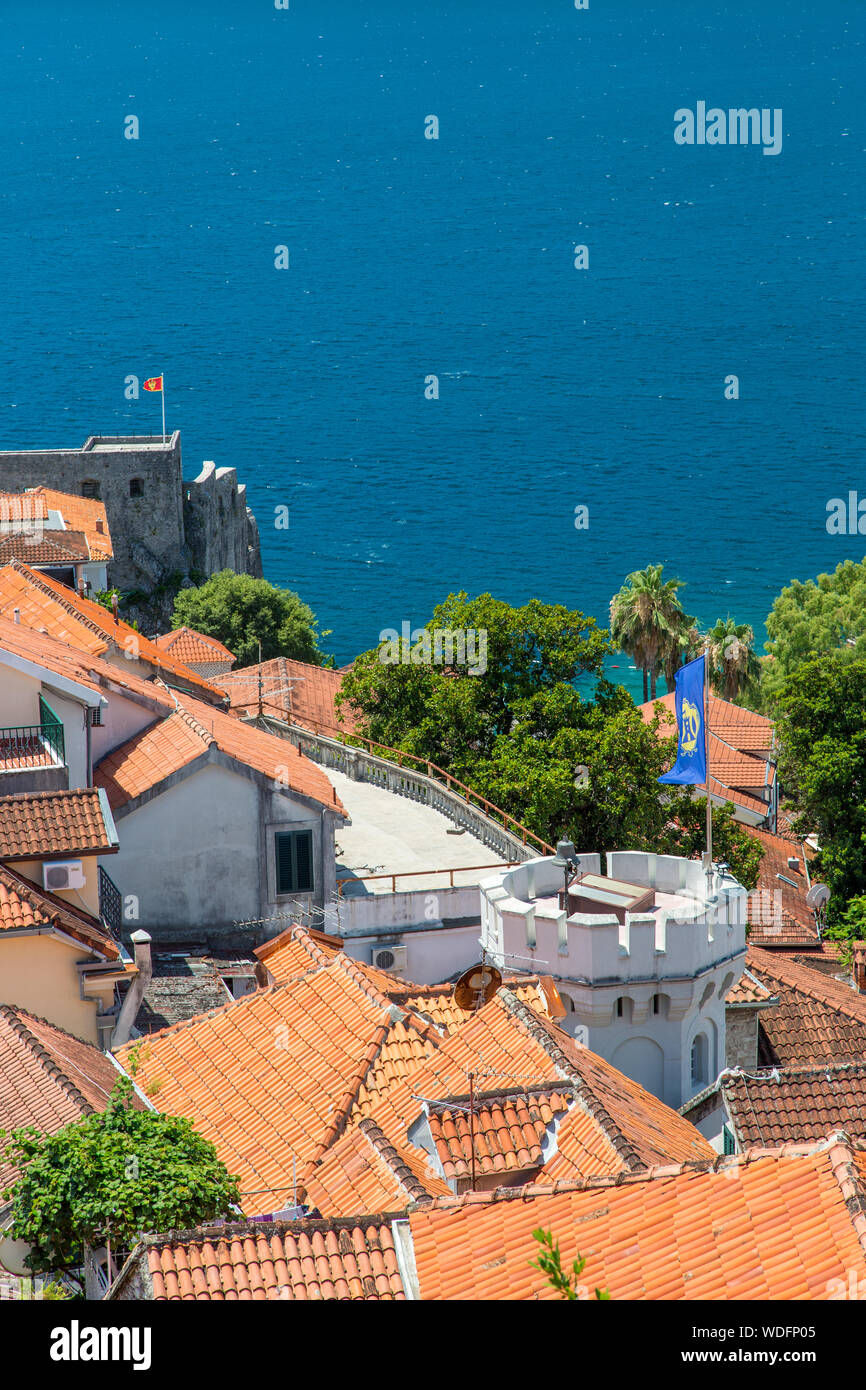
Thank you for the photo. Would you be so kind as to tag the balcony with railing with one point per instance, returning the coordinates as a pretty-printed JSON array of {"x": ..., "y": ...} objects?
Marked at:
[
  {"x": 110, "y": 904},
  {"x": 33, "y": 756}
]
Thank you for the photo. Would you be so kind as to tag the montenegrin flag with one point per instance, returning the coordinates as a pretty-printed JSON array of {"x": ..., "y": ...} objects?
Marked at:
[
  {"x": 153, "y": 383},
  {"x": 691, "y": 763}
]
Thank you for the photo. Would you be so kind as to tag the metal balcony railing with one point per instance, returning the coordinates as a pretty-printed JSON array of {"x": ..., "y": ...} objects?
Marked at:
[
  {"x": 32, "y": 745},
  {"x": 110, "y": 904}
]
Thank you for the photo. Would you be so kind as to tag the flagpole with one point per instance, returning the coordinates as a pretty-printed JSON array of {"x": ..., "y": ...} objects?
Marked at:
[
  {"x": 707, "y": 755},
  {"x": 162, "y": 393}
]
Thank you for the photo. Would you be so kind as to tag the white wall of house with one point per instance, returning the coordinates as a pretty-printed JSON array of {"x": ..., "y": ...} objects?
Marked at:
[
  {"x": 121, "y": 719},
  {"x": 201, "y": 854},
  {"x": 647, "y": 994},
  {"x": 19, "y": 698}
]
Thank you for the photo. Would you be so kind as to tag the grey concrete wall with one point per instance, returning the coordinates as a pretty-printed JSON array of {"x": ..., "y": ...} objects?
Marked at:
[
  {"x": 220, "y": 529},
  {"x": 147, "y": 532},
  {"x": 203, "y": 525}
]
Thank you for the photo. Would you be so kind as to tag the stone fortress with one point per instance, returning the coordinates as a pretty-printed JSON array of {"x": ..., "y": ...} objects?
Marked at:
[{"x": 160, "y": 525}]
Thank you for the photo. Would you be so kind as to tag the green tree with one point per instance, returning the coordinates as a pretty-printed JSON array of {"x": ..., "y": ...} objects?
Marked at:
[
  {"x": 813, "y": 619},
  {"x": 822, "y": 735},
  {"x": 242, "y": 612},
  {"x": 648, "y": 623},
  {"x": 112, "y": 1175},
  {"x": 565, "y": 1282},
  {"x": 733, "y": 662},
  {"x": 443, "y": 713}
]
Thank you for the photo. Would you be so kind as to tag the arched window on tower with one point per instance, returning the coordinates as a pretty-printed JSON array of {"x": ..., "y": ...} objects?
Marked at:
[
  {"x": 623, "y": 1009},
  {"x": 700, "y": 1053}
]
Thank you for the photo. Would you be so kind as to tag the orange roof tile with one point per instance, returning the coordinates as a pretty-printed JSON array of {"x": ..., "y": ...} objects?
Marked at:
[
  {"x": 189, "y": 646},
  {"x": 275, "y": 1075},
  {"x": 48, "y": 1078},
  {"x": 797, "y": 1104},
  {"x": 362, "y": 1171},
  {"x": 293, "y": 691},
  {"x": 508, "y": 1130},
  {"x": 297, "y": 1260},
  {"x": 781, "y": 1224},
  {"x": 816, "y": 1020},
  {"x": 172, "y": 743},
  {"x": 55, "y": 825},
  {"x": 80, "y": 514},
  {"x": 45, "y": 548},
  {"x": 749, "y": 990},
  {"x": 49, "y": 606},
  {"x": 741, "y": 728},
  {"x": 78, "y": 665}
]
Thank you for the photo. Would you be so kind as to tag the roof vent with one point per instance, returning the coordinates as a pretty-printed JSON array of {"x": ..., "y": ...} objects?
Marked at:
[
  {"x": 794, "y": 863},
  {"x": 16, "y": 615},
  {"x": 100, "y": 526}
]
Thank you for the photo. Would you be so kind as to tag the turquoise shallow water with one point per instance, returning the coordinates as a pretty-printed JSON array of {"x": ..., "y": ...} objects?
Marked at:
[{"x": 409, "y": 257}]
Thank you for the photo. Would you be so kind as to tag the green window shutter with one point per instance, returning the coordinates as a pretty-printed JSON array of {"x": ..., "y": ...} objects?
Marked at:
[
  {"x": 730, "y": 1143},
  {"x": 294, "y": 861}
]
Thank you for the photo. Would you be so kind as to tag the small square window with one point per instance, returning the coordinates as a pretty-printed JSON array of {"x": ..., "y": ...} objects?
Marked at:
[
  {"x": 90, "y": 488},
  {"x": 293, "y": 852},
  {"x": 136, "y": 487}
]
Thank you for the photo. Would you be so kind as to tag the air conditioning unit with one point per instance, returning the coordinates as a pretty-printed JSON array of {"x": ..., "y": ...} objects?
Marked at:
[
  {"x": 391, "y": 958},
  {"x": 59, "y": 876}
]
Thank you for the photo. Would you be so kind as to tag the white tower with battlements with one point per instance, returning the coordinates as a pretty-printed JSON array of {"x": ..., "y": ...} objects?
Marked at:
[{"x": 643, "y": 956}]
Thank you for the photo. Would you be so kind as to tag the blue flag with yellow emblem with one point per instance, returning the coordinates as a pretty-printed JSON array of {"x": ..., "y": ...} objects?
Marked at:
[{"x": 691, "y": 763}]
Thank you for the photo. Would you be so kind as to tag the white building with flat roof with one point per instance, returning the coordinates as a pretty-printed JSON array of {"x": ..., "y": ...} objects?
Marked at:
[{"x": 643, "y": 956}]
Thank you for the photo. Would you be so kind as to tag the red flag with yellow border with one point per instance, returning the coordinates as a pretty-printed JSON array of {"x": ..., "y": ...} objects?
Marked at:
[{"x": 153, "y": 383}]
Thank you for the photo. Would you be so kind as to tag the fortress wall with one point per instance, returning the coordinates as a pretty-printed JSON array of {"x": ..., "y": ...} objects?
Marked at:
[{"x": 221, "y": 531}]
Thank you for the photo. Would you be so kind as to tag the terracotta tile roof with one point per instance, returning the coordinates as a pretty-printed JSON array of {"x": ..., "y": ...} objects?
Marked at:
[
  {"x": 363, "y": 1171},
  {"x": 48, "y": 1078},
  {"x": 45, "y": 548},
  {"x": 188, "y": 646},
  {"x": 509, "y": 1130},
  {"x": 180, "y": 989},
  {"x": 22, "y": 506},
  {"x": 38, "y": 611},
  {"x": 507, "y": 1044},
  {"x": 776, "y": 877},
  {"x": 80, "y": 514},
  {"x": 292, "y": 691},
  {"x": 76, "y": 664},
  {"x": 24, "y": 906},
  {"x": 796, "y": 1105},
  {"x": 297, "y": 1260},
  {"x": 55, "y": 825},
  {"x": 172, "y": 743},
  {"x": 296, "y": 951},
  {"x": 817, "y": 1019},
  {"x": 49, "y": 606},
  {"x": 783, "y": 1224},
  {"x": 749, "y": 990},
  {"x": 741, "y": 728},
  {"x": 275, "y": 1074}
]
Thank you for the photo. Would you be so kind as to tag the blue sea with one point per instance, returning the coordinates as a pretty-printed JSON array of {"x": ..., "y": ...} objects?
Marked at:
[{"x": 411, "y": 258}]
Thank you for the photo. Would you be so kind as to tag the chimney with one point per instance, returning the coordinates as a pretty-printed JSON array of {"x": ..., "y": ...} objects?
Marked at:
[
  {"x": 794, "y": 863},
  {"x": 860, "y": 966},
  {"x": 16, "y": 615},
  {"x": 99, "y": 526},
  {"x": 136, "y": 991},
  {"x": 114, "y": 606},
  {"x": 80, "y": 584}
]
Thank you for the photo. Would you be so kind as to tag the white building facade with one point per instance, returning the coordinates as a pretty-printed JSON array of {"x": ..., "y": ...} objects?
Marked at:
[{"x": 643, "y": 957}]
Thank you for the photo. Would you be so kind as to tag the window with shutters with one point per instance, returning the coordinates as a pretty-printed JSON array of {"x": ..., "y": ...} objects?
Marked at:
[{"x": 294, "y": 859}]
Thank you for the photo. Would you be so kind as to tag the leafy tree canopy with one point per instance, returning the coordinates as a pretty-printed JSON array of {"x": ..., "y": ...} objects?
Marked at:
[
  {"x": 822, "y": 735},
  {"x": 814, "y": 619},
  {"x": 242, "y": 612},
  {"x": 114, "y": 1174},
  {"x": 441, "y": 712}
]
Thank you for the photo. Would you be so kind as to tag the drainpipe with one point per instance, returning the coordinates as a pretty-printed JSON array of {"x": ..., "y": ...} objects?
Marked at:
[
  {"x": 87, "y": 738},
  {"x": 135, "y": 993}
]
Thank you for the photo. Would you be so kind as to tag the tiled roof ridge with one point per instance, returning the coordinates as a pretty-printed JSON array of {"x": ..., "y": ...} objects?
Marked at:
[
  {"x": 583, "y": 1092},
  {"x": 160, "y": 1033},
  {"x": 531, "y": 1089},
  {"x": 378, "y": 1140},
  {"x": 804, "y": 982},
  {"x": 344, "y": 1104},
  {"x": 233, "y": 1230},
  {"x": 782, "y": 1073},
  {"x": 33, "y": 577},
  {"x": 850, "y": 1181},
  {"x": 176, "y": 632},
  {"x": 207, "y": 738},
  {"x": 11, "y": 1014},
  {"x": 721, "y": 1163}
]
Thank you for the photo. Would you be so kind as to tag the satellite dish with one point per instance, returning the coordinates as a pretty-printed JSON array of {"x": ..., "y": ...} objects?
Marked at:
[
  {"x": 476, "y": 985},
  {"x": 818, "y": 895}
]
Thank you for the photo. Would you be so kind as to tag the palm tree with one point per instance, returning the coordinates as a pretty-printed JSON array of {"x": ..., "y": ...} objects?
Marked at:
[
  {"x": 733, "y": 661},
  {"x": 692, "y": 645},
  {"x": 647, "y": 621}
]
